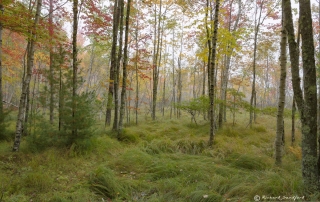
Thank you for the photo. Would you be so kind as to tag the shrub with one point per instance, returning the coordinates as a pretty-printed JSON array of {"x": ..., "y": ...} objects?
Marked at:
[{"x": 46, "y": 135}]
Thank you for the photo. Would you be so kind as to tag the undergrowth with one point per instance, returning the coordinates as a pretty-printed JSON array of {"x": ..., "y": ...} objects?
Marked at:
[{"x": 164, "y": 160}]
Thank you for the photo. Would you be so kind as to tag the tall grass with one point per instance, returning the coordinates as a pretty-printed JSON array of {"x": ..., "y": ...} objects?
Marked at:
[{"x": 164, "y": 160}]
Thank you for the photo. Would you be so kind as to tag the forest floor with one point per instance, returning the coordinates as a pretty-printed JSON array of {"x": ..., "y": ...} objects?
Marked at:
[{"x": 164, "y": 160}]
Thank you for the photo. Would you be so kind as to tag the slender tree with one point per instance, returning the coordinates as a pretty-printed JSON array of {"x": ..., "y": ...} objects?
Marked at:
[
  {"x": 227, "y": 64},
  {"x": 155, "y": 69},
  {"x": 74, "y": 65},
  {"x": 113, "y": 60},
  {"x": 26, "y": 82},
  {"x": 1, "y": 93},
  {"x": 212, "y": 72},
  {"x": 51, "y": 104},
  {"x": 281, "y": 102},
  {"x": 253, "y": 92},
  {"x": 124, "y": 72},
  {"x": 136, "y": 67}
]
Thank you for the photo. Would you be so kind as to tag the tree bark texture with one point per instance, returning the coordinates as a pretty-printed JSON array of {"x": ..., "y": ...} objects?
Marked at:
[
  {"x": 74, "y": 66},
  {"x": 307, "y": 103},
  {"x": 283, "y": 73},
  {"x": 155, "y": 70},
  {"x": 117, "y": 69},
  {"x": 26, "y": 82},
  {"x": 51, "y": 104},
  {"x": 309, "y": 127},
  {"x": 125, "y": 62},
  {"x": 113, "y": 61},
  {"x": 212, "y": 73}
]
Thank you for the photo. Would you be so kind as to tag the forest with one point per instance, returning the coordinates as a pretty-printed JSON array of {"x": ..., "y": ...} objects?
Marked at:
[{"x": 159, "y": 100}]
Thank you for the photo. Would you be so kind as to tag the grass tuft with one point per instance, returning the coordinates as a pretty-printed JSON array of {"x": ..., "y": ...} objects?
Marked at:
[
  {"x": 38, "y": 180},
  {"x": 104, "y": 183},
  {"x": 259, "y": 129},
  {"x": 246, "y": 162},
  {"x": 163, "y": 160}
]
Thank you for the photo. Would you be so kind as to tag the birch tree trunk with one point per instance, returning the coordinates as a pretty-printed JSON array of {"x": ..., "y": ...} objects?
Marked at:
[
  {"x": 280, "y": 127},
  {"x": 212, "y": 73},
  {"x": 26, "y": 82}
]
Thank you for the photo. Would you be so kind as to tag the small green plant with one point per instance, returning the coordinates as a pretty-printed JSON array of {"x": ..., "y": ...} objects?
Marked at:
[
  {"x": 234, "y": 102},
  {"x": 194, "y": 106}
]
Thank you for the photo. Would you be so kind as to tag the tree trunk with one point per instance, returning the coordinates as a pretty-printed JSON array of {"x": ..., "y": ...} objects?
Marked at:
[
  {"x": 1, "y": 93},
  {"x": 204, "y": 75},
  {"x": 179, "y": 96},
  {"x": 74, "y": 66},
  {"x": 209, "y": 43},
  {"x": 25, "y": 84},
  {"x": 307, "y": 107},
  {"x": 319, "y": 86},
  {"x": 51, "y": 104},
  {"x": 26, "y": 116},
  {"x": 125, "y": 61},
  {"x": 117, "y": 70},
  {"x": 212, "y": 83},
  {"x": 226, "y": 69},
  {"x": 92, "y": 57},
  {"x": 137, "y": 73},
  {"x": 61, "y": 93},
  {"x": 155, "y": 70},
  {"x": 113, "y": 60},
  {"x": 280, "y": 126},
  {"x": 309, "y": 130},
  {"x": 164, "y": 95},
  {"x": 253, "y": 92},
  {"x": 173, "y": 104},
  {"x": 293, "y": 118}
]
